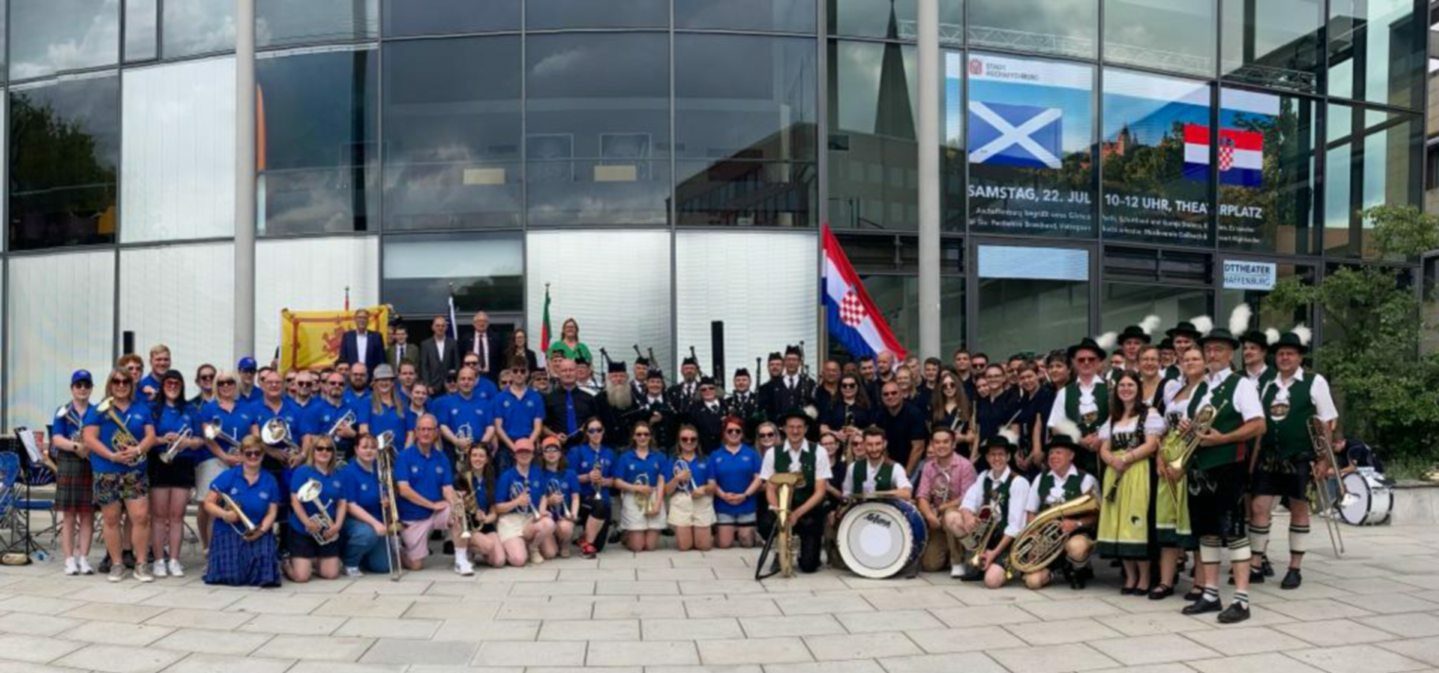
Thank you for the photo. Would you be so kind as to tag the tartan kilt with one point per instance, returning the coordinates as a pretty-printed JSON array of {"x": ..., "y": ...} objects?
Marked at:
[
  {"x": 235, "y": 562},
  {"x": 74, "y": 484}
]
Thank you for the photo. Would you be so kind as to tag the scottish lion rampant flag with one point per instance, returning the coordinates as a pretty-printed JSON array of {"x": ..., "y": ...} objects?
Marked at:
[
  {"x": 1241, "y": 155},
  {"x": 849, "y": 313}
]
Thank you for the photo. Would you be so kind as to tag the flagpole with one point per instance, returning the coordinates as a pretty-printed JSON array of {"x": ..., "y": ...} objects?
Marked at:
[{"x": 929, "y": 146}]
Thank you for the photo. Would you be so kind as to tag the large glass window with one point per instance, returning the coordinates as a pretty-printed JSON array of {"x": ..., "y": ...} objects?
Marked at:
[
  {"x": 312, "y": 273},
  {"x": 598, "y": 128},
  {"x": 548, "y": 14},
  {"x": 566, "y": 262},
  {"x": 440, "y": 17},
  {"x": 1266, "y": 171},
  {"x": 64, "y": 152},
  {"x": 873, "y": 168},
  {"x": 281, "y": 22},
  {"x": 167, "y": 295},
  {"x": 1155, "y": 158},
  {"x": 179, "y": 161},
  {"x": 196, "y": 27},
  {"x": 1030, "y": 142},
  {"x": 1372, "y": 158},
  {"x": 718, "y": 276},
  {"x": 898, "y": 297},
  {"x": 786, "y": 16},
  {"x": 482, "y": 271},
  {"x": 1273, "y": 43},
  {"x": 1161, "y": 34},
  {"x": 1032, "y": 299},
  {"x": 452, "y": 153},
  {"x": 893, "y": 19},
  {"x": 316, "y": 154},
  {"x": 745, "y": 133},
  {"x": 1127, "y": 304},
  {"x": 1377, "y": 51},
  {"x": 59, "y": 35},
  {"x": 52, "y": 296},
  {"x": 1249, "y": 282},
  {"x": 142, "y": 41},
  {"x": 1062, "y": 27}
]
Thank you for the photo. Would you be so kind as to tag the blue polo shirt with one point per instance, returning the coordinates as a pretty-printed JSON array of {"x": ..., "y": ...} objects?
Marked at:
[
  {"x": 517, "y": 414},
  {"x": 148, "y": 381},
  {"x": 459, "y": 411},
  {"x": 255, "y": 395},
  {"x": 290, "y": 413},
  {"x": 428, "y": 476},
  {"x": 733, "y": 473},
  {"x": 136, "y": 419},
  {"x": 332, "y": 493},
  {"x": 533, "y": 479},
  {"x": 236, "y": 422},
  {"x": 389, "y": 418},
  {"x": 652, "y": 466},
  {"x": 362, "y": 487},
  {"x": 567, "y": 482},
  {"x": 62, "y": 427},
  {"x": 582, "y": 459},
  {"x": 356, "y": 399},
  {"x": 700, "y": 473},
  {"x": 175, "y": 419},
  {"x": 254, "y": 499},
  {"x": 412, "y": 417},
  {"x": 321, "y": 416}
]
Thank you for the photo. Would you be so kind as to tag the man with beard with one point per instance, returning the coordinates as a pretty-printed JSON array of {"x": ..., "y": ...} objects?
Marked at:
[
  {"x": 617, "y": 405},
  {"x": 767, "y": 390},
  {"x": 744, "y": 404}
]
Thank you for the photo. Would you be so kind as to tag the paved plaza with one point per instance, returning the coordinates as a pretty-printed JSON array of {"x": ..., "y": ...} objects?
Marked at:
[{"x": 1376, "y": 611}]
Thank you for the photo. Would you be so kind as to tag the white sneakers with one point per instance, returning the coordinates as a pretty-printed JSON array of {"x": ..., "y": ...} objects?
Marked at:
[
  {"x": 463, "y": 565},
  {"x": 85, "y": 568},
  {"x": 176, "y": 570},
  {"x": 352, "y": 571},
  {"x": 72, "y": 567},
  {"x": 957, "y": 570},
  {"x": 160, "y": 570}
]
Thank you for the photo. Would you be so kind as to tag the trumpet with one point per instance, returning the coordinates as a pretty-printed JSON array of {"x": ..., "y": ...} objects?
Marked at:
[
  {"x": 217, "y": 434},
  {"x": 246, "y": 526},
  {"x": 310, "y": 493},
  {"x": 174, "y": 448},
  {"x": 600, "y": 464},
  {"x": 1179, "y": 446},
  {"x": 122, "y": 439},
  {"x": 555, "y": 488},
  {"x": 520, "y": 488},
  {"x": 1043, "y": 539},
  {"x": 682, "y": 465},
  {"x": 276, "y": 433},
  {"x": 384, "y": 464},
  {"x": 343, "y": 421}
]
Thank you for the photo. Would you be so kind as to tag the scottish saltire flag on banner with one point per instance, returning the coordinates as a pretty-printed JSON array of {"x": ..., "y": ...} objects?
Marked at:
[
  {"x": 1241, "y": 155},
  {"x": 1014, "y": 135},
  {"x": 850, "y": 314}
]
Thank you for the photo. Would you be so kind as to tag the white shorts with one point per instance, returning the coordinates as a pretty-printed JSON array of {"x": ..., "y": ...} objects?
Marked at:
[
  {"x": 512, "y": 525},
  {"x": 689, "y": 511},
  {"x": 205, "y": 473},
  {"x": 632, "y": 516}
]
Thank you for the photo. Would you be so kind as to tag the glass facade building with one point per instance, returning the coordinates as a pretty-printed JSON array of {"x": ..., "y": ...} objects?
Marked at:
[{"x": 661, "y": 164}]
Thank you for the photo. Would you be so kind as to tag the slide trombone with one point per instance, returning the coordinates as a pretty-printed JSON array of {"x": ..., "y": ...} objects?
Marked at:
[
  {"x": 385, "y": 465},
  {"x": 310, "y": 493},
  {"x": 122, "y": 439},
  {"x": 1322, "y": 442}
]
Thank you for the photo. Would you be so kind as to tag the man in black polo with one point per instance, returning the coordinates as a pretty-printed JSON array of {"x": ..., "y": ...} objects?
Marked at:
[{"x": 903, "y": 425}]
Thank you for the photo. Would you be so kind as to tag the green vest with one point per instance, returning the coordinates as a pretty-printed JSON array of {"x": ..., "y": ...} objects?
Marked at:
[
  {"x": 1071, "y": 488},
  {"x": 1288, "y": 435},
  {"x": 806, "y": 467},
  {"x": 884, "y": 481},
  {"x": 1227, "y": 420},
  {"x": 1270, "y": 373},
  {"x": 1101, "y": 400},
  {"x": 1003, "y": 491}
]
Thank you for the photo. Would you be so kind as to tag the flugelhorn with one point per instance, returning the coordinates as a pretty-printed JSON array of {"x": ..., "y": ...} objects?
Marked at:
[
  {"x": 310, "y": 493},
  {"x": 217, "y": 434},
  {"x": 1043, "y": 539},
  {"x": 174, "y": 448},
  {"x": 276, "y": 433},
  {"x": 122, "y": 439},
  {"x": 246, "y": 526}
]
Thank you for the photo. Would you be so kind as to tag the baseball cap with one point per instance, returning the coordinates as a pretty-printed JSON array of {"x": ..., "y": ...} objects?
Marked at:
[
  {"x": 549, "y": 441},
  {"x": 524, "y": 445},
  {"x": 247, "y": 364},
  {"x": 81, "y": 375}
]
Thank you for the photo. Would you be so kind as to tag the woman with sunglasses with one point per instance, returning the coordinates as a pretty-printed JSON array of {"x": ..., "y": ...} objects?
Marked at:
[
  {"x": 205, "y": 387},
  {"x": 364, "y": 532},
  {"x": 562, "y": 497},
  {"x": 311, "y": 543},
  {"x": 950, "y": 407},
  {"x": 734, "y": 466},
  {"x": 242, "y": 557},
  {"x": 594, "y": 463},
  {"x": 479, "y": 480},
  {"x": 523, "y": 522},
  {"x": 850, "y": 411},
  {"x": 385, "y": 411},
  {"x": 640, "y": 474},
  {"x": 689, "y": 492},
  {"x": 417, "y": 405},
  {"x": 74, "y": 482},
  {"x": 233, "y": 418},
  {"x": 121, "y": 482},
  {"x": 170, "y": 483}
]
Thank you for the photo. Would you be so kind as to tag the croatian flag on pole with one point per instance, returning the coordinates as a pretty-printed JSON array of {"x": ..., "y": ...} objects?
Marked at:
[
  {"x": 850, "y": 314},
  {"x": 1241, "y": 155}
]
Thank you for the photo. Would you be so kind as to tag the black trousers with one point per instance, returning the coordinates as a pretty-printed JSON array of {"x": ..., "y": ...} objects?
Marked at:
[{"x": 599, "y": 509}]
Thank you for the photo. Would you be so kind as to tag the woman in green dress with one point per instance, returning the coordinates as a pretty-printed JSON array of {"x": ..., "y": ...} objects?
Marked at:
[
  {"x": 569, "y": 346},
  {"x": 1130, "y": 437}
]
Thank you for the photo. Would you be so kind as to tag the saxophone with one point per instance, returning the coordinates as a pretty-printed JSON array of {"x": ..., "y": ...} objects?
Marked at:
[{"x": 1043, "y": 539}]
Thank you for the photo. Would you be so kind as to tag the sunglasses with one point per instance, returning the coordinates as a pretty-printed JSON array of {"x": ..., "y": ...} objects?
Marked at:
[
  {"x": 227, "y": 382},
  {"x": 733, "y": 431},
  {"x": 205, "y": 377},
  {"x": 767, "y": 435},
  {"x": 172, "y": 383},
  {"x": 252, "y": 454},
  {"x": 890, "y": 393},
  {"x": 688, "y": 440},
  {"x": 595, "y": 431},
  {"x": 120, "y": 382},
  {"x": 642, "y": 434},
  {"x": 849, "y": 385},
  {"x": 303, "y": 384},
  {"x": 326, "y": 449},
  {"x": 83, "y": 384},
  {"x": 552, "y": 449}
]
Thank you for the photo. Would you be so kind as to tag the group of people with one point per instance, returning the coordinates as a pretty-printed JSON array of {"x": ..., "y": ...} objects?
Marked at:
[{"x": 402, "y": 444}]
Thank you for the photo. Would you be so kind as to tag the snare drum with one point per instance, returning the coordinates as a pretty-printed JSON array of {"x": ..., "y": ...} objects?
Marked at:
[
  {"x": 1369, "y": 499},
  {"x": 879, "y": 538}
]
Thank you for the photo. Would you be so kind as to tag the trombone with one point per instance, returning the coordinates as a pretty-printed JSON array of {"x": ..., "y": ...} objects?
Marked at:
[
  {"x": 122, "y": 439},
  {"x": 1322, "y": 442},
  {"x": 384, "y": 464},
  {"x": 217, "y": 434},
  {"x": 310, "y": 493},
  {"x": 276, "y": 433}
]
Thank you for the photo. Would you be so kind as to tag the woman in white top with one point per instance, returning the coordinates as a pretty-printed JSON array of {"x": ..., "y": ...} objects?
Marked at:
[
  {"x": 1130, "y": 437},
  {"x": 1171, "y": 505}
]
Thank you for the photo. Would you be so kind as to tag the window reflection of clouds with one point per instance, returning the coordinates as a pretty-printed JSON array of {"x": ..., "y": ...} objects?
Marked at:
[
  {"x": 279, "y": 22},
  {"x": 197, "y": 27},
  {"x": 1161, "y": 34},
  {"x": 53, "y": 36},
  {"x": 1066, "y": 27}
]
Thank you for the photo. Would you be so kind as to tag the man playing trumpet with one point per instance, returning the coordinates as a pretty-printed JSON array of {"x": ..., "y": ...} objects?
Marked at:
[{"x": 1004, "y": 494}]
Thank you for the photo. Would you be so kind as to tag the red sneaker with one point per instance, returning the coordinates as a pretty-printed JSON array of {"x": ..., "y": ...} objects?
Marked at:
[{"x": 588, "y": 550}]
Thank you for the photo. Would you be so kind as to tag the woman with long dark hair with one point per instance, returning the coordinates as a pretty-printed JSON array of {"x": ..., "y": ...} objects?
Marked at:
[
  {"x": 1130, "y": 437},
  {"x": 170, "y": 482}
]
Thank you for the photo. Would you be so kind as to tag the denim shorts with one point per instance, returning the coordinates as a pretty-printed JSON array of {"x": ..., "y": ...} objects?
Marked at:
[{"x": 735, "y": 519}]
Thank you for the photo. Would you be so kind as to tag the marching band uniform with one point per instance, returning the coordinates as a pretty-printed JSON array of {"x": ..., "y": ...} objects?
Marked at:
[
  {"x": 74, "y": 481},
  {"x": 809, "y": 460},
  {"x": 1184, "y": 329},
  {"x": 300, "y": 543},
  {"x": 708, "y": 419},
  {"x": 525, "y": 523},
  {"x": 234, "y": 560},
  {"x": 866, "y": 478},
  {"x": 320, "y": 416},
  {"x": 684, "y": 392},
  {"x": 1124, "y": 521},
  {"x": 661, "y": 416},
  {"x": 565, "y": 410},
  {"x": 1051, "y": 490},
  {"x": 733, "y": 470},
  {"x": 470, "y": 415},
  {"x": 744, "y": 405},
  {"x": 1171, "y": 504},
  {"x": 1008, "y": 492},
  {"x": 692, "y": 503}
]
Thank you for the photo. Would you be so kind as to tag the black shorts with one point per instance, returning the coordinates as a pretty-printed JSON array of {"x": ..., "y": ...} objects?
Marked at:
[
  {"x": 1282, "y": 478},
  {"x": 179, "y": 474},
  {"x": 301, "y": 544},
  {"x": 1216, "y": 501}
]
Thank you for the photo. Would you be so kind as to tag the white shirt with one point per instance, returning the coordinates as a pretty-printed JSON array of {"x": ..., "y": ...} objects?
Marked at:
[
  {"x": 362, "y": 339},
  {"x": 1254, "y": 376},
  {"x": 1087, "y": 402},
  {"x": 1056, "y": 492},
  {"x": 790, "y": 381},
  {"x": 1246, "y": 395},
  {"x": 822, "y": 468},
  {"x": 440, "y": 346},
  {"x": 1014, "y": 519},
  {"x": 1153, "y": 425},
  {"x": 1318, "y": 392},
  {"x": 901, "y": 480}
]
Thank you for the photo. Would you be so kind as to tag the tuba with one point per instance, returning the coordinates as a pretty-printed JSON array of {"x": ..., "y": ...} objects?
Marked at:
[
  {"x": 122, "y": 439},
  {"x": 174, "y": 448},
  {"x": 783, "y": 533},
  {"x": 1043, "y": 539},
  {"x": 310, "y": 493}
]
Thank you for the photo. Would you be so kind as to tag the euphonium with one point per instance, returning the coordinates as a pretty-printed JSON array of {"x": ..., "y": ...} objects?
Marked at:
[
  {"x": 308, "y": 493},
  {"x": 174, "y": 448},
  {"x": 1043, "y": 539},
  {"x": 1179, "y": 445},
  {"x": 991, "y": 518},
  {"x": 245, "y": 522},
  {"x": 122, "y": 439},
  {"x": 276, "y": 433}
]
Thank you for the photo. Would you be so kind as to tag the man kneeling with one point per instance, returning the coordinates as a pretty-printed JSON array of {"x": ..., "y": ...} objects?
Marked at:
[
  {"x": 993, "y": 509},
  {"x": 1061, "y": 483}
]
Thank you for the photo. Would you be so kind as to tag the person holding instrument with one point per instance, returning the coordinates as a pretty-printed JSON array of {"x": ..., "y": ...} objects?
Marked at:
[
  {"x": 241, "y": 503},
  {"x": 594, "y": 464},
  {"x": 172, "y": 476},
  {"x": 797, "y": 454},
  {"x": 74, "y": 481},
  {"x": 562, "y": 498},
  {"x": 317, "y": 516},
  {"x": 364, "y": 531},
  {"x": 877, "y": 476},
  {"x": 232, "y": 417},
  {"x": 476, "y": 487},
  {"x": 943, "y": 481},
  {"x": 690, "y": 490},
  {"x": 118, "y": 439},
  {"x": 640, "y": 475},
  {"x": 523, "y": 523},
  {"x": 1130, "y": 436},
  {"x": 1005, "y": 493}
]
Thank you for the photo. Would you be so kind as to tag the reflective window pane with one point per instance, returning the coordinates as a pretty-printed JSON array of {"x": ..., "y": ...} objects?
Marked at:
[
  {"x": 1155, "y": 156},
  {"x": 548, "y": 14},
  {"x": 452, "y": 152},
  {"x": 1274, "y": 43},
  {"x": 598, "y": 123},
  {"x": 184, "y": 316},
  {"x": 1266, "y": 171},
  {"x": 1373, "y": 158},
  {"x": 791, "y": 16},
  {"x": 873, "y": 168},
  {"x": 47, "y": 37},
  {"x": 1032, "y": 299},
  {"x": 282, "y": 22},
  {"x": 893, "y": 19},
  {"x": 1161, "y": 34},
  {"x": 1125, "y": 304},
  {"x": 317, "y": 147},
  {"x": 1263, "y": 317},
  {"x": 1376, "y": 51},
  {"x": 64, "y": 152},
  {"x": 1030, "y": 144},
  {"x": 141, "y": 38},
  {"x": 482, "y": 270},
  {"x": 440, "y": 17},
  {"x": 898, "y": 297},
  {"x": 311, "y": 272},
  {"x": 1063, "y": 27},
  {"x": 197, "y": 27},
  {"x": 745, "y": 132}
]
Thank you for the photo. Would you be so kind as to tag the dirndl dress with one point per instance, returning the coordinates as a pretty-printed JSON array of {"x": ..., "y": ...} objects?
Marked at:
[
  {"x": 1124, "y": 519},
  {"x": 235, "y": 562}
]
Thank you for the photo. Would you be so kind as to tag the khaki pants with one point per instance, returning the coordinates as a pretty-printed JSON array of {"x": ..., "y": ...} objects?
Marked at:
[{"x": 942, "y": 548}]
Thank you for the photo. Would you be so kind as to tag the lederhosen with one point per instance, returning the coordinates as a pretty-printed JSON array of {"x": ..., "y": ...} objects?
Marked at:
[
  {"x": 1286, "y": 453},
  {"x": 1218, "y": 474},
  {"x": 810, "y": 528},
  {"x": 883, "y": 480},
  {"x": 1072, "y": 486},
  {"x": 1085, "y": 460},
  {"x": 1000, "y": 497}
]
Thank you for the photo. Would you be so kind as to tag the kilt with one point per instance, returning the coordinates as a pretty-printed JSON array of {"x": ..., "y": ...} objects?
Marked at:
[
  {"x": 235, "y": 562},
  {"x": 74, "y": 485}
]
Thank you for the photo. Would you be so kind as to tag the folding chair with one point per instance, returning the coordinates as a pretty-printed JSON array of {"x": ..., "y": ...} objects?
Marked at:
[{"x": 12, "y": 520}]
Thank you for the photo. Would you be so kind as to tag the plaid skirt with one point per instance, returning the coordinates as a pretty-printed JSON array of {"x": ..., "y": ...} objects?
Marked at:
[
  {"x": 235, "y": 562},
  {"x": 74, "y": 485}
]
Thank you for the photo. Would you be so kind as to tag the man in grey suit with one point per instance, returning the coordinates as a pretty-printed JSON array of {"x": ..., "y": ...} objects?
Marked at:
[
  {"x": 439, "y": 354},
  {"x": 401, "y": 350}
]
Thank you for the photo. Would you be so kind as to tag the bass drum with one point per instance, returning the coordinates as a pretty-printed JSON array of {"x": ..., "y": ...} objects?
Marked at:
[
  {"x": 1369, "y": 499},
  {"x": 879, "y": 538}
]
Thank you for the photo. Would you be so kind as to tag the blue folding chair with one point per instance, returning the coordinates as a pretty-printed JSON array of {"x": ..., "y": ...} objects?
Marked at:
[{"x": 11, "y": 519}]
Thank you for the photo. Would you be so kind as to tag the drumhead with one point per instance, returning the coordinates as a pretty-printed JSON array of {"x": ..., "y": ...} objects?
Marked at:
[
  {"x": 1356, "y": 509},
  {"x": 875, "y": 539}
]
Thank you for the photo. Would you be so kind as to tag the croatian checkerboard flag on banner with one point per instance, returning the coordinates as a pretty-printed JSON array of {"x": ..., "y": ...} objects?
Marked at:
[
  {"x": 1241, "y": 155},
  {"x": 850, "y": 314}
]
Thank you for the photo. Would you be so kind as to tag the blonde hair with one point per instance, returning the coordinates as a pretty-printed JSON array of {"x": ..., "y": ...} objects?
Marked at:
[
  {"x": 158, "y": 349},
  {"x": 322, "y": 441}
]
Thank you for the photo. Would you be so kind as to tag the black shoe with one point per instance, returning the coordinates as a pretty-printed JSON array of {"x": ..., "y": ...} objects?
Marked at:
[
  {"x": 1193, "y": 595},
  {"x": 1234, "y": 614},
  {"x": 1267, "y": 567},
  {"x": 1256, "y": 576},
  {"x": 105, "y": 565},
  {"x": 449, "y": 549},
  {"x": 972, "y": 575},
  {"x": 436, "y": 535},
  {"x": 1200, "y": 607},
  {"x": 1292, "y": 579},
  {"x": 129, "y": 557},
  {"x": 1128, "y": 591},
  {"x": 1160, "y": 592},
  {"x": 668, "y": 532},
  {"x": 614, "y": 537}
]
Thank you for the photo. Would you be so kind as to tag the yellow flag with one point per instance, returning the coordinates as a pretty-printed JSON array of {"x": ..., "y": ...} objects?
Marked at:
[{"x": 311, "y": 339}]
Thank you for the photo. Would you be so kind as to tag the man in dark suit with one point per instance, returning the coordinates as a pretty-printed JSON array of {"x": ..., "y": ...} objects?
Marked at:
[
  {"x": 567, "y": 406},
  {"x": 361, "y": 345},
  {"x": 439, "y": 355},
  {"x": 401, "y": 350},
  {"x": 486, "y": 345}
]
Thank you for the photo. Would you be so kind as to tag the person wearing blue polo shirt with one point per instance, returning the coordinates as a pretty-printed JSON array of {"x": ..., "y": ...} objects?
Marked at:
[
  {"x": 465, "y": 417},
  {"x": 382, "y": 411},
  {"x": 690, "y": 493},
  {"x": 519, "y": 411},
  {"x": 235, "y": 420},
  {"x": 425, "y": 483},
  {"x": 640, "y": 477},
  {"x": 241, "y": 555},
  {"x": 280, "y": 460},
  {"x": 735, "y": 466},
  {"x": 365, "y": 536},
  {"x": 523, "y": 522},
  {"x": 417, "y": 404},
  {"x": 248, "y": 369},
  {"x": 357, "y": 388},
  {"x": 159, "y": 364},
  {"x": 314, "y": 543},
  {"x": 74, "y": 490},
  {"x": 594, "y": 464},
  {"x": 562, "y": 498},
  {"x": 325, "y": 414},
  {"x": 119, "y": 468}
]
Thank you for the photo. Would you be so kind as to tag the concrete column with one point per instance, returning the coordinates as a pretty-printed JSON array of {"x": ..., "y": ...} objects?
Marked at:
[
  {"x": 245, "y": 180},
  {"x": 929, "y": 242}
]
